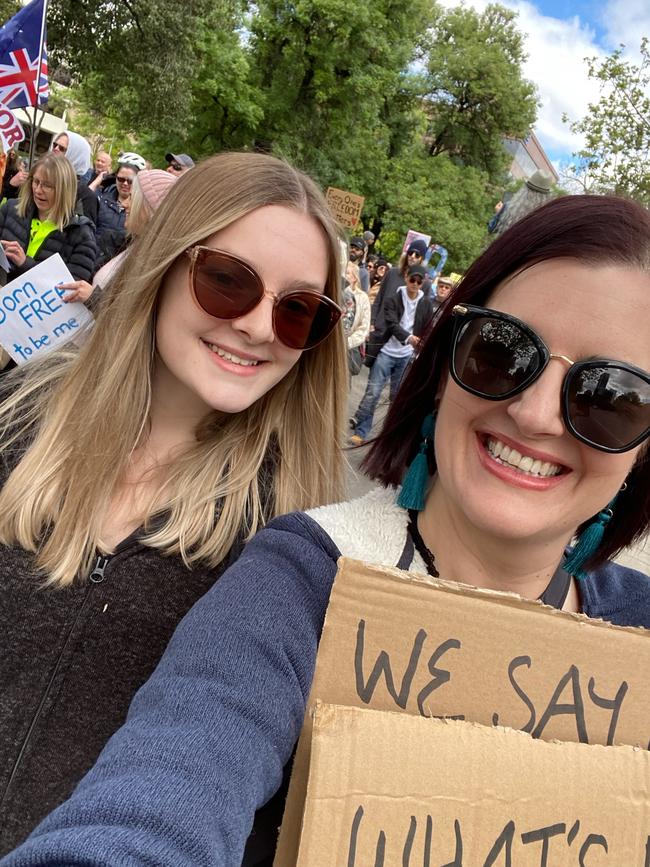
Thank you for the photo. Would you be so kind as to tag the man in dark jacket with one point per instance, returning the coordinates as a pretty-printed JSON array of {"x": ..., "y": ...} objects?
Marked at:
[{"x": 407, "y": 315}]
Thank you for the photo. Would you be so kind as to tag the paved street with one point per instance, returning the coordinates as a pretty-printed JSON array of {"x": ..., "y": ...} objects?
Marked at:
[{"x": 358, "y": 484}]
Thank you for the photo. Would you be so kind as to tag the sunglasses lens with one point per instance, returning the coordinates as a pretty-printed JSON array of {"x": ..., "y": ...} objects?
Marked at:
[
  {"x": 304, "y": 319},
  {"x": 225, "y": 288},
  {"x": 494, "y": 357},
  {"x": 608, "y": 406}
]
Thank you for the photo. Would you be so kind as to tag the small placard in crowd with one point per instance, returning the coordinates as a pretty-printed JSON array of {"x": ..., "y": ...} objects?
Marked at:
[
  {"x": 346, "y": 207},
  {"x": 34, "y": 319},
  {"x": 412, "y": 235}
]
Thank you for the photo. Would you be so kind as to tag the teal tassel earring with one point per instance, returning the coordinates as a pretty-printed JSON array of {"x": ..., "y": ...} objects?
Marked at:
[
  {"x": 414, "y": 484},
  {"x": 589, "y": 541}
]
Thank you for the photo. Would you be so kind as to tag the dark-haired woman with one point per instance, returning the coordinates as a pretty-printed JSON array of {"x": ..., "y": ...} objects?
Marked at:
[{"x": 537, "y": 374}]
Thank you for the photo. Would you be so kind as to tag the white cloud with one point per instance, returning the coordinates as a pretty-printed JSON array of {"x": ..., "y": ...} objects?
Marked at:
[
  {"x": 556, "y": 50},
  {"x": 626, "y": 21}
]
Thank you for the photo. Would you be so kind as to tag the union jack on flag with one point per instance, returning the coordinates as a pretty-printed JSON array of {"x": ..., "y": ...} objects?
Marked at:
[{"x": 21, "y": 83}]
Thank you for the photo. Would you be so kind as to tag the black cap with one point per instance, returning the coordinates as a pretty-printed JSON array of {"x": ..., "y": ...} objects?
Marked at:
[
  {"x": 417, "y": 269},
  {"x": 418, "y": 246},
  {"x": 358, "y": 242}
]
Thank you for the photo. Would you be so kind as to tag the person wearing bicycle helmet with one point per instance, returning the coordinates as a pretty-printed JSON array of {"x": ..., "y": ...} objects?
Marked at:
[{"x": 114, "y": 206}]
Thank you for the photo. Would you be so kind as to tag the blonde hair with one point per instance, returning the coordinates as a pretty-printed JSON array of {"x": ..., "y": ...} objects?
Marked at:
[
  {"x": 352, "y": 275},
  {"x": 59, "y": 172},
  {"x": 84, "y": 413},
  {"x": 140, "y": 212}
]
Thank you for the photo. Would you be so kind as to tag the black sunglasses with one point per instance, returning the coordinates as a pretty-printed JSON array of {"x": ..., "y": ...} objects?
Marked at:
[
  {"x": 415, "y": 278},
  {"x": 605, "y": 403},
  {"x": 120, "y": 180},
  {"x": 227, "y": 287}
]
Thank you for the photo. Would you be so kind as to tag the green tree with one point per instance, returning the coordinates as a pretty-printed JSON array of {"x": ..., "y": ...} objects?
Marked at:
[
  {"x": 616, "y": 129},
  {"x": 435, "y": 195},
  {"x": 136, "y": 61},
  {"x": 8, "y": 9},
  {"x": 476, "y": 93},
  {"x": 328, "y": 72}
]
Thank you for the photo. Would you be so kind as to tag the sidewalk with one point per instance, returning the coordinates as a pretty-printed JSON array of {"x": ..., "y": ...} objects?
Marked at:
[{"x": 636, "y": 558}]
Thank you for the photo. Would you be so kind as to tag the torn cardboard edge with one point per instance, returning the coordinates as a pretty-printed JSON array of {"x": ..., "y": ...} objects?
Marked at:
[
  {"x": 394, "y": 641},
  {"x": 387, "y": 788}
]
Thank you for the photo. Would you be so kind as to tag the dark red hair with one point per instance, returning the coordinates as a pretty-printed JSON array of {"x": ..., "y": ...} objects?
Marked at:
[{"x": 593, "y": 229}]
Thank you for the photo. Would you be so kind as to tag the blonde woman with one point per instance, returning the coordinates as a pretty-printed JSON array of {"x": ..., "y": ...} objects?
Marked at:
[
  {"x": 208, "y": 398},
  {"x": 42, "y": 222},
  {"x": 360, "y": 325}
]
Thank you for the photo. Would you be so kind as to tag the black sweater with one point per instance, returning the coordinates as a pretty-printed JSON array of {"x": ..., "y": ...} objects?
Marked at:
[
  {"x": 75, "y": 243},
  {"x": 72, "y": 659}
]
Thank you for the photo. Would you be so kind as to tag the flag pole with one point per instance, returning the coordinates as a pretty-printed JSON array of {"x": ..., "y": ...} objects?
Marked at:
[{"x": 32, "y": 142}]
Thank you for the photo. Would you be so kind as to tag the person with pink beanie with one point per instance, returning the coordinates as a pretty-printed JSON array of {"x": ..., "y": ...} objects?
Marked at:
[{"x": 149, "y": 189}]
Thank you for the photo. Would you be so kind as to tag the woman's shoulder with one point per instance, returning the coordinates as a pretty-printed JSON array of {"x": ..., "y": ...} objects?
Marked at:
[
  {"x": 372, "y": 528},
  {"x": 617, "y": 593}
]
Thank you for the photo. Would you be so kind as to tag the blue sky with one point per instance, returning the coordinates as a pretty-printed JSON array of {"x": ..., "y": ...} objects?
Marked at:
[{"x": 559, "y": 35}]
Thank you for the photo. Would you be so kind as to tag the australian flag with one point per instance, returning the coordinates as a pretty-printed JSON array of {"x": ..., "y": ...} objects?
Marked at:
[{"x": 21, "y": 82}]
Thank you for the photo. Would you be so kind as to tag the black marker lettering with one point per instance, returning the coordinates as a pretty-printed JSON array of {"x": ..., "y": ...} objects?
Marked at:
[
  {"x": 408, "y": 843},
  {"x": 613, "y": 704},
  {"x": 543, "y": 834},
  {"x": 573, "y": 832},
  {"x": 354, "y": 833},
  {"x": 365, "y": 691},
  {"x": 516, "y": 662},
  {"x": 380, "y": 851},
  {"x": 505, "y": 838},
  {"x": 458, "y": 857},
  {"x": 428, "y": 834},
  {"x": 440, "y": 675},
  {"x": 592, "y": 840},
  {"x": 575, "y": 709}
]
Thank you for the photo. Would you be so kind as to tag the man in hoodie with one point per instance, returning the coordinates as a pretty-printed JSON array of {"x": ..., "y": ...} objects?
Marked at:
[
  {"x": 408, "y": 313},
  {"x": 76, "y": 150}
]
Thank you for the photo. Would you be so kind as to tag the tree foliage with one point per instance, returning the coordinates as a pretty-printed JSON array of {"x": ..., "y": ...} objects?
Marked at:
[
  {"x": 616, "y": 129},
  {"x": 405, "y": 104},
  {"x": 476, "y": 93}
]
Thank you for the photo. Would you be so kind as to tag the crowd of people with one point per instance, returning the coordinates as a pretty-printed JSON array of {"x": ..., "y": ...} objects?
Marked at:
[{"x": 154, "y": 677}]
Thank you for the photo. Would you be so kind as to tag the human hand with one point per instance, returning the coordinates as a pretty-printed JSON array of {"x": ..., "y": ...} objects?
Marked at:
[
  {"x": 15, "y": 252},
  {"x": 77, "y": 290},
  {"x": 19, "y": 178},
  {"x": 414, "y": 341}
]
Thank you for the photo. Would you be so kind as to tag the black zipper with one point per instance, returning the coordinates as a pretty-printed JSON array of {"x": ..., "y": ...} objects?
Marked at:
[{"x": 96, "y": 577}]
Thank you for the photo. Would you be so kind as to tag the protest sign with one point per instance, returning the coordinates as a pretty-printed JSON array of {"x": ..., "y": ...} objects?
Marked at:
[
  {"x": 412, "y": 235},
  {"x": 11, "y": 130},
  {"x": 346, "y": 207},
  {"x": 34, "y": 319},
  {"x": 399, "y": 642},
  {"x": 387, "y": 789}
]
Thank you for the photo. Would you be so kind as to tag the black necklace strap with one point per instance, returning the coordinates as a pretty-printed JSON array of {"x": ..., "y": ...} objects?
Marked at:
[{"x": 554, "y": 595}]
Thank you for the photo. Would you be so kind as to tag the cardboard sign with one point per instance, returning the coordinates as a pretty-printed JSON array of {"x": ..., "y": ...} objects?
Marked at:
[
  {"x": 34, "y": 319},
  {"x": 412, "y": 235},
  {"x": 399, "y": 642},
  {"x": 346, "y": 207},
  {"x": 11, "y": 131},
  {"x": 388, "y": 789}
]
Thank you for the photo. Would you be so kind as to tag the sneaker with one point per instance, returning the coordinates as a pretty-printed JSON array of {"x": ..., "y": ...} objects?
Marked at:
[
  {"x": 356, "y": 440},
  {"x": 352, "y": 422}
]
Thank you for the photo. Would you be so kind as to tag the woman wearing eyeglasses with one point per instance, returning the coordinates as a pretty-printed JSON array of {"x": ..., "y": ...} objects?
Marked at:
[
  {"x": 208, "y": 398},
  {"x": 523, "y": 423},
  {"x": 114, "y": 205},
  {"x": 42, "y": 222}
]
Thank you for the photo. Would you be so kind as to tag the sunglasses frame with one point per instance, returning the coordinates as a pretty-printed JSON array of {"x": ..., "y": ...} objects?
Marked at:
[
  {"x": 464, "y": 313},
  {"x": 197, "y": 251}
]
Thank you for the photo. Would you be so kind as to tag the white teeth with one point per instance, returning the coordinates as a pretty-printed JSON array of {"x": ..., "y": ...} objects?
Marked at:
[
  {"x": 235, "y": 359},
  {"x": 503, "y": 454}
]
